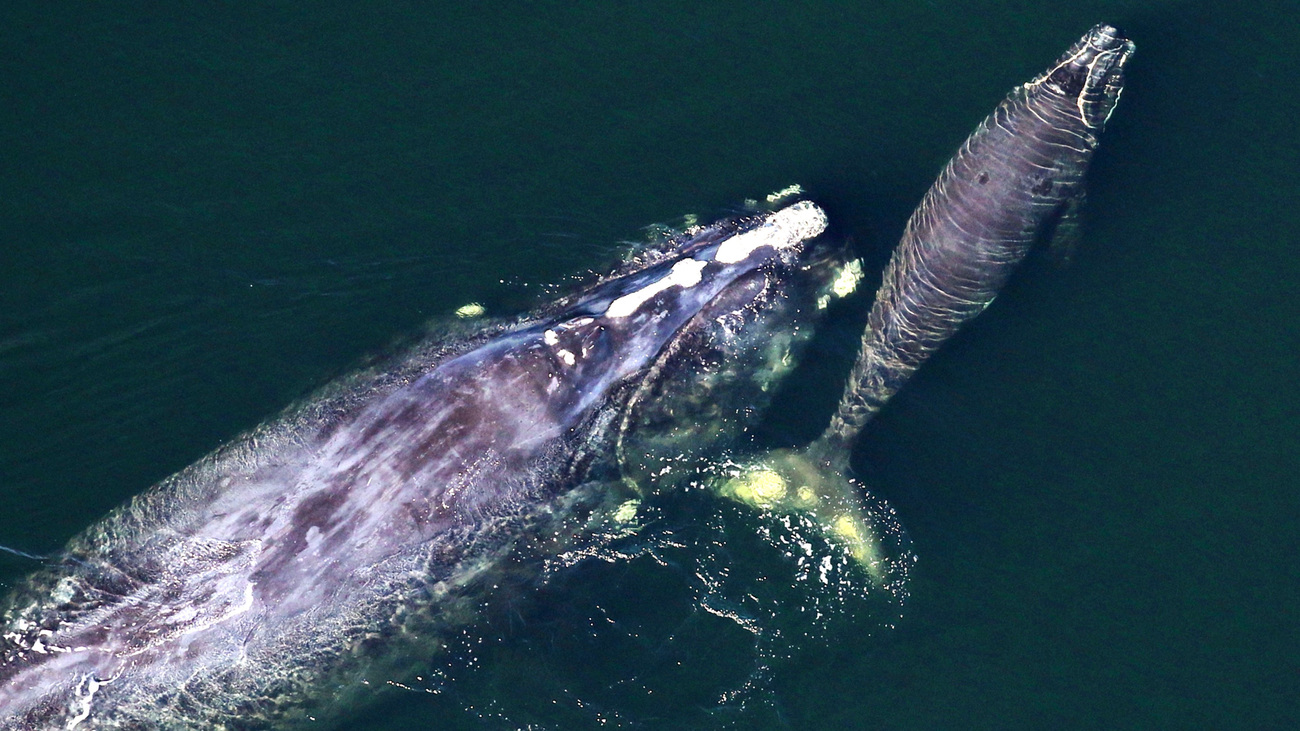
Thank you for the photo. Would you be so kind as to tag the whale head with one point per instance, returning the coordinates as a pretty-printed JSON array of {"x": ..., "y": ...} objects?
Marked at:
[{"x": 702, "y": 336}]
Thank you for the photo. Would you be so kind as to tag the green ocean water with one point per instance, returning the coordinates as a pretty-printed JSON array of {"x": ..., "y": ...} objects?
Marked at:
[{"x": 210, "y": 210}]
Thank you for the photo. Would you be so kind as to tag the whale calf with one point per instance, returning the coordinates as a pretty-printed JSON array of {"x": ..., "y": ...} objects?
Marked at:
[
  {"x": 252, "y": 589},
  {"x": 1017, "y": 179}
]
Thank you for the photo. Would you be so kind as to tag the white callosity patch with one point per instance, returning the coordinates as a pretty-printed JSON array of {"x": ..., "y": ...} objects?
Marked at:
[
  {"x": 782, "y": 229},
  {"x": 572, "y": 350},
  {"x": 785, "y": 228},
  {"x": 551, "y": 338},
  {"x": 685, "y": 273}
]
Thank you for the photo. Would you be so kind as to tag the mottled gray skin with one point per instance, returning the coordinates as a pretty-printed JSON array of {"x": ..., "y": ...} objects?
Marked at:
[
  {"x": 1017, "y": 177},
  {"x": 262, "y": 583}
]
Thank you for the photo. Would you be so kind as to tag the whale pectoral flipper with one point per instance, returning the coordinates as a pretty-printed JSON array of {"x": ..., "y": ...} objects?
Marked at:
[{"x": 1066, "y": 230}]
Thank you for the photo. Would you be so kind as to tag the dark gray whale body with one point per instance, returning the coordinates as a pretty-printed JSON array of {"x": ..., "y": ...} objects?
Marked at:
[
  {"x": 225, "y": 595},
  {"x": 1017, "y": 177},
  {"x": 255, "y": 587}
]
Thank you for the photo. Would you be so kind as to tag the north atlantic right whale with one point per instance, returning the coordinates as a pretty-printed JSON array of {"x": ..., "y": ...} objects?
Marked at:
[{"x": 254, "y": 588}]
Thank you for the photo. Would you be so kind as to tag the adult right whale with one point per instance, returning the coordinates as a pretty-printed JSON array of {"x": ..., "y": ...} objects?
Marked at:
[{"x": 257, "y": 588}]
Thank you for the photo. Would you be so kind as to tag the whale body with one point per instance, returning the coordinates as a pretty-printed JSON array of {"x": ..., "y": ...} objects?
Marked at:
[{"x": 270, "y": 574}]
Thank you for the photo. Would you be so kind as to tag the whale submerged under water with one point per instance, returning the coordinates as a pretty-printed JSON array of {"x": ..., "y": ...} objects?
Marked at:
[{"x": 355, "y": 530}]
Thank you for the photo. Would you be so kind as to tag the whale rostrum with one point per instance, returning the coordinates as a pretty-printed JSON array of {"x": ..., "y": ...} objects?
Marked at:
[{"x": 350, "y": 533}]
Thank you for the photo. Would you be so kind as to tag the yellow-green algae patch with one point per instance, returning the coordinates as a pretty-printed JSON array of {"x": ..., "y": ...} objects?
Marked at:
[{"x": 786, "y": 482}]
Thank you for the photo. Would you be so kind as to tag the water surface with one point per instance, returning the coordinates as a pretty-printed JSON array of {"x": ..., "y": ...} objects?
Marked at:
[{"x": 210, "y": 211}]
